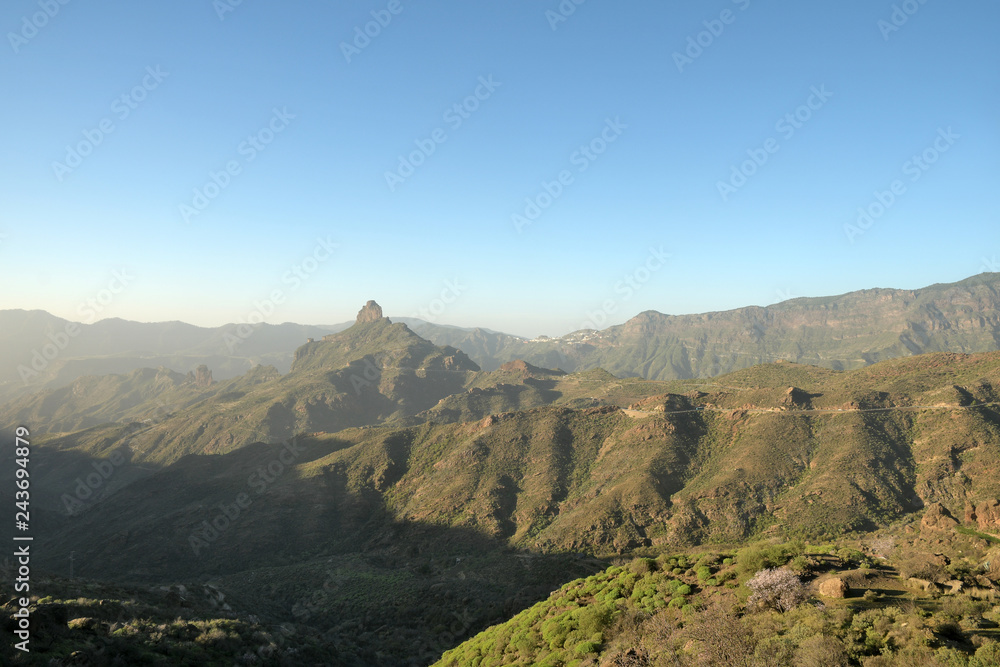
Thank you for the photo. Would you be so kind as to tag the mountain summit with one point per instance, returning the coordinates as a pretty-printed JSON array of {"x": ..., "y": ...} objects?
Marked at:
[{"x": 371, "y": 312}]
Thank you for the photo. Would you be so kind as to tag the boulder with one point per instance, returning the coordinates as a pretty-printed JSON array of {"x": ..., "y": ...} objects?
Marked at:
[
  {"x": 834, "y": 587},
  {"x": 955, "y": 586}
]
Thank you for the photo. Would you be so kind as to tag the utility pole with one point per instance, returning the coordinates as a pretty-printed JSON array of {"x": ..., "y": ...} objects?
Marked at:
[{"x": 71, "y": 555}]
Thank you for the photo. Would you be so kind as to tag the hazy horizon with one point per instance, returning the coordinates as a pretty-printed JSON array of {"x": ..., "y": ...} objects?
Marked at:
[{"x": 347, "y": 320}]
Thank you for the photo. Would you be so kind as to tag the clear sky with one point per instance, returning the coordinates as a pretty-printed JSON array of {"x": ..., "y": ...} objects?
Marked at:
[{"x": 120, "y": 121}]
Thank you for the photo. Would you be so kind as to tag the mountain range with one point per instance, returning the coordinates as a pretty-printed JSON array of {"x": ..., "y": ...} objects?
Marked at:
[
  {"x": 384, "y": 482},
  {"x": 842, "y": 332}
]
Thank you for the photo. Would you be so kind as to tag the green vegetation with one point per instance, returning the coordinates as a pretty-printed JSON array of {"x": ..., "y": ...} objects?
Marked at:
[{"x": 639, "y": 616}]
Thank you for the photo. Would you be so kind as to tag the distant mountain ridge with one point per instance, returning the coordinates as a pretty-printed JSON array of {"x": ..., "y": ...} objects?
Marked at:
[{"x": 840, "y": 332}]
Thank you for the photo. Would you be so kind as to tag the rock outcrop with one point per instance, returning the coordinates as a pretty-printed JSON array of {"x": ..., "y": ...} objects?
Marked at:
[
  {"x": 372, "y": 312},
  {"x": 970, "y": 512},
  {"x": 201, "y": 377},
  {"x": 937, "y": 518},
  {"x": 988, "y": 515}
]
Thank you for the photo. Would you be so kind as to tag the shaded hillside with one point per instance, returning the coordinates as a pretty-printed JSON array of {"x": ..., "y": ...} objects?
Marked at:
[{"x": 852, "y": 451}]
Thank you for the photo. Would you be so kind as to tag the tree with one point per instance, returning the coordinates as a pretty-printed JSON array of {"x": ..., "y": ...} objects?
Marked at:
[{"x": 776, "y": 588}]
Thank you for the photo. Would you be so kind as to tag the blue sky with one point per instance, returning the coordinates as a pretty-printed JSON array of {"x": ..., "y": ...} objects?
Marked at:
[{"x": 207, "y": 88}]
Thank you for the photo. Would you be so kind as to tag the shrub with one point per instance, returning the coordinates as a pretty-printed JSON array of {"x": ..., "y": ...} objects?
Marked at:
[
  {"x": 756, "y": 558},
  {"x": 800, "y": 565},
  {"x": 643, "y": 566},
  {"x": 776, "y": 588},
  {"x": 987, "y": 655},
  {"x": 821, "y": 651},
  {"x": 725, "y": 640}
]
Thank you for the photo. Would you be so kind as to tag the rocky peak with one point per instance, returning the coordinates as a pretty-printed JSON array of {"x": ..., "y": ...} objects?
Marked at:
[
  {"x": 372, "y": 312},
  {"x": 201, "y": 377}
]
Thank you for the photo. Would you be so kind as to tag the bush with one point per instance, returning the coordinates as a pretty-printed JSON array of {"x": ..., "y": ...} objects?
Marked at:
[
  {"x": 643, "y": 566},
  {"x": 988, "y": 655},
  {"x": 821, "y": 651},
  {"x": 725, "y": 640},
  {"x": 753, "y": 559},
  {"x": 800, "y": 565},
  {"x": 776, "y": 588}
]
